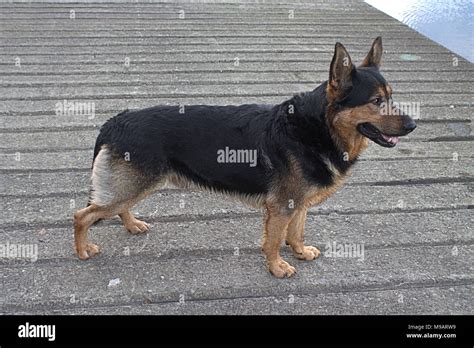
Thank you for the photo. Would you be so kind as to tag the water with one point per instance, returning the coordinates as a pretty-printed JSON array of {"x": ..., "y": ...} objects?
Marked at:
[{"x": 449, "y": 23}]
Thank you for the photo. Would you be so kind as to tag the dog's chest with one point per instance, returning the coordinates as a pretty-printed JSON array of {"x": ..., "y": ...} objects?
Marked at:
[{"x": 318, "y": 194}]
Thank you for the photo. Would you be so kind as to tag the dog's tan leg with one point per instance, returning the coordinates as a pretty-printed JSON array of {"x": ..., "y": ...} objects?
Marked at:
[
  {"x": 83, "y": 219},
  {"x": 274, "y": 231},
  {"x": 295, "y": 238},
  {"x": 132, "y": 224}
]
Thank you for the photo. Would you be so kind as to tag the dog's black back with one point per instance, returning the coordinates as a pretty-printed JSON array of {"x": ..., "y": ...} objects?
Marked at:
[{"x": 160, "y": 140}]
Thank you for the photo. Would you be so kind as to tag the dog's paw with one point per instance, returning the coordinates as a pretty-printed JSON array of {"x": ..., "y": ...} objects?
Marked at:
[
  {"x": 280, "y": 268},
  {"x": 136, "y": 226},
  {"x": 89, "y": 251},
  {"x": 309, "y": 253}
]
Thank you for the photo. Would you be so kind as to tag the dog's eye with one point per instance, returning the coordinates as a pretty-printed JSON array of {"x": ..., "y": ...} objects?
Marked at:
[{"x": 377, "y": 101}]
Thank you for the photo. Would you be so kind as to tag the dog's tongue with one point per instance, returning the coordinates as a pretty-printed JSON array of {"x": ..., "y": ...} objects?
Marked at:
[{"x": 393, "y": 140}]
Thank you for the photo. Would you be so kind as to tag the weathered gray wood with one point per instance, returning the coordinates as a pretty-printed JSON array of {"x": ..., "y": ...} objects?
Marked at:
[
  {"x": 371, "y": 172},
  {"x": 350, "y": 199},
  {"x": 207, "y": 277},
  {"x": 410, "y": 206}
]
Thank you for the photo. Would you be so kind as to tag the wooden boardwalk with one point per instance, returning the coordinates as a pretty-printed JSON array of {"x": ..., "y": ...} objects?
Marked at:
[{"x": 409, "y": 206}]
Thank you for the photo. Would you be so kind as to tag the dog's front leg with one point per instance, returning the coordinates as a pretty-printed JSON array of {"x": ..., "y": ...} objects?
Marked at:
[
  {"x": 295, "y": 238},
  {"x": 274, "y": 232}
]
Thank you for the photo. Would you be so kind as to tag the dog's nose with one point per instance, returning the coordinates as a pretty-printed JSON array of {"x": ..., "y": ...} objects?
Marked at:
[{"x": 409, "y": 126}]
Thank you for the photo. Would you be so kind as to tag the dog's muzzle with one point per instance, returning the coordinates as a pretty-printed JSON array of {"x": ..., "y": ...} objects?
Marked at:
[{"x": 387, "y": 140}]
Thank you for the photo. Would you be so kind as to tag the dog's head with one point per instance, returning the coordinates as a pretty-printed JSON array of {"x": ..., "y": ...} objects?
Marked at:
[{"x": 360, "y": 101}]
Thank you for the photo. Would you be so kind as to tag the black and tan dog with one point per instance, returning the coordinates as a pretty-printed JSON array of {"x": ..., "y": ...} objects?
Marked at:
[{"x": 303, "y": 150}]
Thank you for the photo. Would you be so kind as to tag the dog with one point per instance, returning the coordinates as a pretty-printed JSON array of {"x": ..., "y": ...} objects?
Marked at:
[{"x": 304, "y": 149}]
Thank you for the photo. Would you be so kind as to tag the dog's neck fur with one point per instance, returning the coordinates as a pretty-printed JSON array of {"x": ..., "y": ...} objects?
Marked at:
[{"x": 307, "y": 119}]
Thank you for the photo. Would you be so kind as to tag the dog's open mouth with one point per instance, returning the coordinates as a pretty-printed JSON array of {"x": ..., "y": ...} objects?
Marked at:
[{"x": 377, "y": 136}]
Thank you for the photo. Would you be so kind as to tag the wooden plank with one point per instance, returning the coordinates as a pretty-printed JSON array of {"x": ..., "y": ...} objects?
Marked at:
[
  {"x": 172, "y": 238},
  {"x": 409, "y": 206},
  {"x": 223, "y": 276},
  {"x": 398, "y": 80},
  {"x": 53, "y": 210},
  {"x": 397, "y": 172},
  {"x": 417, "y": 301}
]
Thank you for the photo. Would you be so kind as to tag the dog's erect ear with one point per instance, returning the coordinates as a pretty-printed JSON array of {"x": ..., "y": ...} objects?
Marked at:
[
  {"x": 374, "y": 58},
  {"x": 340, "y": 72}
]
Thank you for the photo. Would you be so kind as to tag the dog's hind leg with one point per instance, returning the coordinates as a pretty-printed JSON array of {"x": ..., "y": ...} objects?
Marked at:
[
  {"x": 83, "y": 219},
  {"x": 295, "y": 238},
  {"x": 116, "y": 187},
  {"x": 132, "y": 224}
]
